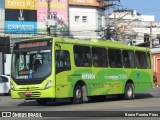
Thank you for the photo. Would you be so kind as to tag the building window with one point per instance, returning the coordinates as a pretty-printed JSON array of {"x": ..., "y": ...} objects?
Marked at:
[
  {"x": 84, "y": 18},
  {"x": 77, "y": 19},
  {"x": 146, "y": 37}
]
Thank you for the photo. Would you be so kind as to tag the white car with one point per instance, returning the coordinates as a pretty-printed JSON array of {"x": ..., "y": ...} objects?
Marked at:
[{"x": 4, "y": 84}]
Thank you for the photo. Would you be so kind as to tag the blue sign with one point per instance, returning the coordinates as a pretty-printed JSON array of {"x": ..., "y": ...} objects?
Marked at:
[
  {"x": 21, "y": 27},
  {"x": 30, "y": 74},
  {"x": 1, "y": 4}
]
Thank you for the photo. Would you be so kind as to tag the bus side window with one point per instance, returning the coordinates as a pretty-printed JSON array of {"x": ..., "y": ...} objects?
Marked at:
[
  {"x": 99, "y": 57},
  {"x": 82, "y": 56},
  {"x": 141, "y": 59},
  {"x": 128, "y": 59},
  {"x": 115, "y": 59},
  {"x": 62, "y": 61},
  {"x": 148, "y": 61}
]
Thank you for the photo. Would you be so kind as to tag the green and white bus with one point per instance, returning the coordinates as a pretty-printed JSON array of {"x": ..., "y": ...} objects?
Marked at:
[{"x": 51, "y": 68}]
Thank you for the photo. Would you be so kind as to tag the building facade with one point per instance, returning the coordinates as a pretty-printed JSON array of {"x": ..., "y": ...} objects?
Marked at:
[
  {"x": 74, "y": 18},
  {"x": 132, "y": 27},
  {"x": 85, "y": 18}
]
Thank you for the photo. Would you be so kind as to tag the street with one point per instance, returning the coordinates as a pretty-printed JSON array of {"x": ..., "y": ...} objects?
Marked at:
[{"x": 148, "y": 101}]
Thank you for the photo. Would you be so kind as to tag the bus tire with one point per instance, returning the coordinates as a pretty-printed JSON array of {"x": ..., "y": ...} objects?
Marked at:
[
  {"x": 77, "y": 95},
  {"x": 42, "y": 101},
  {"x": 129, "y": 91}
]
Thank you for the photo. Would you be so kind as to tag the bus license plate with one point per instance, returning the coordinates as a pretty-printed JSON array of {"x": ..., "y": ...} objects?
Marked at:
[{"x": 28, "y": 94}]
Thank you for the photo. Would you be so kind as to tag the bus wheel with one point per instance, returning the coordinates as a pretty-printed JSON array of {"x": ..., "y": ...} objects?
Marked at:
[
  {"x": 42, "y": 101},
  {"x": 77, "y": 95},
  {"x": 129, "y": 91}
]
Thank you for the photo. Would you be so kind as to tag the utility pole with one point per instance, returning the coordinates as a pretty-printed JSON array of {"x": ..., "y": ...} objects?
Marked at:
[
  {"x": 107, "y": 14},
  {"x": 151, "y": 42},
  {"x": 150, "y": 36},
  {"x": 106, "y": 5},
  {"x": 48, "y": 17}
]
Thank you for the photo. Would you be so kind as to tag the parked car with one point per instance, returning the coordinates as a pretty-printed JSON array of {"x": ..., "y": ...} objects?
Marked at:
[{"x": 4, "y": 84}]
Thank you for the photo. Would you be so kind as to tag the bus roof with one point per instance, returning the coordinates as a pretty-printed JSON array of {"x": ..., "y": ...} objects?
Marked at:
[
  {"x": 93, "y": 41},
  {"x": 99, "y": 42}
]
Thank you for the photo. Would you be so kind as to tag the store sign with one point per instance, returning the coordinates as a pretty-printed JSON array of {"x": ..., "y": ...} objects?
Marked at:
[
  {"x": 20, "y": 27},
  {"x": 58, "y": 10},
  {"x": 20, "y": 15},
  {"x": 21, "y": 4},
  {"x": 58, "y": 13}
]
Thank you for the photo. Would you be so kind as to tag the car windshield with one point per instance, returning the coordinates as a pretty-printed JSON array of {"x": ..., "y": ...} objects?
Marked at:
[{"x": 31, "y": 64}]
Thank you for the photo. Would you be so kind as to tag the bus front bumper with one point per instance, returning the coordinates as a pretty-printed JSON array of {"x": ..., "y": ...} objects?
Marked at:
[{"x": 45, "y": 93}]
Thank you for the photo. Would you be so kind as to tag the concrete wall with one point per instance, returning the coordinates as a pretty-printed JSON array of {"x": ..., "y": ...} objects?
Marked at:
[{"x": 85, "y": 29}]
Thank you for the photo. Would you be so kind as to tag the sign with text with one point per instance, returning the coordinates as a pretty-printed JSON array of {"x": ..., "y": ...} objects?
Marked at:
[
  {"x": 20, "y": 15},
  {"x": 58, "y": 12},
  {"x": 33, "y": 44},
  {"x": 21, "y": 4},
  {"x": 20, "y": 27}
]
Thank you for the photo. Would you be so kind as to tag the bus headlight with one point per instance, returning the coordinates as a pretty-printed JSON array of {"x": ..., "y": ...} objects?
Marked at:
[{"x": 48, "y": 85}]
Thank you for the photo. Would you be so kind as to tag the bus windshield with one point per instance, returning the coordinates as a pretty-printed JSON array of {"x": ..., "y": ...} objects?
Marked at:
[{"x": 31, "y": 63}]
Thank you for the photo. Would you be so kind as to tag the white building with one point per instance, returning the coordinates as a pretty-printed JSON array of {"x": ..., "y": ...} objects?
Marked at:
[
  {"x": 85, "y": 21},
  {"x": 135, "y": 27}
]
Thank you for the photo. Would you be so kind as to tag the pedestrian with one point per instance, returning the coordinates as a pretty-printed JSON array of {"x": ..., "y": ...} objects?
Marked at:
[{"x": 155, "y": 80}]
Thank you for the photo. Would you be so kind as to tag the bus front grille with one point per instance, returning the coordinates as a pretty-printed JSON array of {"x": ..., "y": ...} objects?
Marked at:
[
  {"x": 29, "y": 94},
  {"x": 29, "y": 88}
]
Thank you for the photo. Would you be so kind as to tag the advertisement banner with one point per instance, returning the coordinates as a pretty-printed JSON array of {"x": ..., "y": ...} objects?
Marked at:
[
  {"x": 1, "y": 4},
  {"x": 20, "y": 15},
  {"x": 21, "y": 4},
  {"x": 20, "y": 27},
  {"x": 85, "y": 2},
  {"x": 58, "y": 12}
]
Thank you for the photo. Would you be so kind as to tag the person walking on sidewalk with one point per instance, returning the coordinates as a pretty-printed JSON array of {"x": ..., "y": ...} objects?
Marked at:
[{"x": 155, "y": 80}]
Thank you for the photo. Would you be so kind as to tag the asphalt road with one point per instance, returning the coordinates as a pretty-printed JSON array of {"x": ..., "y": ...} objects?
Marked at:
[{"x": 148, "y": 102}]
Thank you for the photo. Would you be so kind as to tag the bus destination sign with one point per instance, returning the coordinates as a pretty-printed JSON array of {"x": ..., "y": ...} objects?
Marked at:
[{"x": 33, "y": 44}]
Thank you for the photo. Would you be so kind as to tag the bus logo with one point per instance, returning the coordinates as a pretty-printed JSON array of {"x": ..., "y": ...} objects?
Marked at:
[{"x": 88, "y": 76}]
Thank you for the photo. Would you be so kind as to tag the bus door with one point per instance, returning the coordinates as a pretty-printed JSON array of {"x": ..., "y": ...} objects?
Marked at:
[{"x": 62, "y": 70}]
